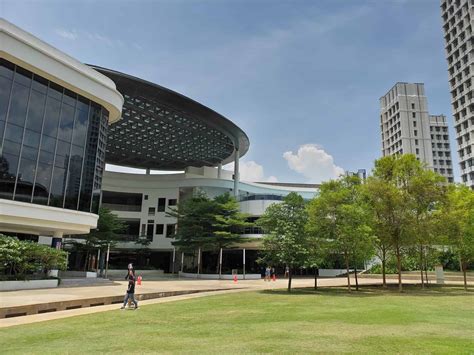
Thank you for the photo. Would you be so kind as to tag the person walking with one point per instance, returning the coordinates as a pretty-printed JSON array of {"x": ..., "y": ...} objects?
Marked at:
[
  {"x": 267, "y": 273},
  {"x": 130, "y": 292}
]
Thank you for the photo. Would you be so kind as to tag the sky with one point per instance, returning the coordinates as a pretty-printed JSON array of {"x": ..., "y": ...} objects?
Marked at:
[{"x": 302, "y": 78}]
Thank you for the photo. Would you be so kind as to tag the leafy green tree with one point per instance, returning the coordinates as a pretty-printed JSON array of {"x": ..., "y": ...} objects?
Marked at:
[
  {"x": 208, "y": 224},
  {"x": 285, "y": 241},
  {"x": 108, "y": 230},
  {"x": 228, "y": 224},
  {"x": 457, "y": 224},
  {"x": 425, "y": 192},
  {"x": 338, "y": 217},
  {"x": 404, "y": 196}
]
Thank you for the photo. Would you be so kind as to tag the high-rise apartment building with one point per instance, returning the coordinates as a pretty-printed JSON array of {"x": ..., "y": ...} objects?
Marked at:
[
  {"x": 442, "y": 160},
  {"x": 404, "y": 122},
  {"x": 458, "y": 17},
  {"x": 407, "y": 128}
]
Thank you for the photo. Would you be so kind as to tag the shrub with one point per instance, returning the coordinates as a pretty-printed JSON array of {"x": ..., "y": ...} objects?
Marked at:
[{"x": 24, "y": 259}]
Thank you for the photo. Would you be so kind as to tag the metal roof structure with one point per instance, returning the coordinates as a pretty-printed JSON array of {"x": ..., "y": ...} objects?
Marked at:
[{"x": 164, "y": 130}]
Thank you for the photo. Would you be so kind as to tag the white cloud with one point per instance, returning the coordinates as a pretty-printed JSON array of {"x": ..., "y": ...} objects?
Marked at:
[
  {"x": 252, "y": 172},
  {"x": 313, "y": 163},
  {"x": 72, "y": 35}
]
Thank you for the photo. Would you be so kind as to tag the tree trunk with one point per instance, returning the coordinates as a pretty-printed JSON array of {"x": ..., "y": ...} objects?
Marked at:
[
  {"x": 464, "y": 272},
  {"x": 356, "y": 280},
  {"x": 348, "y": 274},
  {"x": 315, "y": 279},
  {"x": 426, "y": 273},
  {"x": 421, "y": 267},
  {"x": 384, "y": 261},
  {"x": 399, "y": 269},
  {"x": 290, "y": 276}
]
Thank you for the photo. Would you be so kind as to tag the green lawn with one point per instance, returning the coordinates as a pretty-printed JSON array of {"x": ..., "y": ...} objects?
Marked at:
[{"x": 440, "y": 320}]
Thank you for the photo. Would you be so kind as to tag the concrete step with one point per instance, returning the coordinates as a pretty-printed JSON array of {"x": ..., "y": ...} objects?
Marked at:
[{"x": 82, "y": 282}]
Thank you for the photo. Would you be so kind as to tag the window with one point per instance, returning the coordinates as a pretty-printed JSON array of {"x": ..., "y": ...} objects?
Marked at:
[
  {"x": 416, "y": 141},
  {"x": 160, "y": 228},
  {"x": 415, "y": 132},
  {"x": 170, "y": 230},
  {"x": 146, "y": 197},
  {"x": 172, "y": 202},
  {"x": 143, "y": 229},
  {"x": 161, "y": 204},
  {"x": 413, "y": 114},
  {"x": 417, "y": 151},
  {"x": 414, "y": 123},
  {"x": 412, "y": 106},
  {"x": 71, "y": 137},
  {"x": 151, "y": 211},
  {"x": 149, "y": 231}
]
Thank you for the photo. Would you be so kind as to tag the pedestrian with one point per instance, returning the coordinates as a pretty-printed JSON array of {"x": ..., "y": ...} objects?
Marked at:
[
  {"x": 272, "y": 274},
  {"x": 267, "y": 273},
  {"x": 130, "y": 271},
  {"x": 130, "y": 292},
  {"x": 287, "y": 271}
]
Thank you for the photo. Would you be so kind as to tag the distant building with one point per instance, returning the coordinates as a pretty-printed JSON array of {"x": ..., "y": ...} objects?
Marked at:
[
  {"x": 407, "y": 128},
  {"x": 361, "y": 173},
  {"x": 442, "y": 160},
  {"x": 457, "y": 18}
]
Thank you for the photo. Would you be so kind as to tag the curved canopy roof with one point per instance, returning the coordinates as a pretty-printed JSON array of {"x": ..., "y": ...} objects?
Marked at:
[{"x": 164, "y": 130}]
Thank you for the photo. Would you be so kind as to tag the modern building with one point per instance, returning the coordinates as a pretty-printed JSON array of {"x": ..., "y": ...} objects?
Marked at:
[
  {"x": 61, "y": 121},
  {"x": 143, "y": 200},
  {"x": 458, "y": 17},
  {"x": 54, "y": 117},
  {"x": 441, "y": 147},
  {"x": 406, "y": 127}
]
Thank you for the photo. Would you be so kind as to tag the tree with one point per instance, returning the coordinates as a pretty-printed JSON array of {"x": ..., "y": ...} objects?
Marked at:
[
  {"x": 403, "y": 195},
  {"x": 426, "y": 191},
  {"x": 338, "y": 218},
  {"x": 205, "y": 224},
  {"x": 457, "y": 224},
  {"x": 108, "y": 230},
  {"x": 228, "y": 224},
  {"x": 285, "y": 241}
]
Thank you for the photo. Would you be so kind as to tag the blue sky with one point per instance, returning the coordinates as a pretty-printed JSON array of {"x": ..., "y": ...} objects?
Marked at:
[{"x": 301, "y": 78}]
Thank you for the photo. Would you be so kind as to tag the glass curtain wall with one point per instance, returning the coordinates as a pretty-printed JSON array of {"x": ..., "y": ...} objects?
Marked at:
[{"x": 52, "y": 142}]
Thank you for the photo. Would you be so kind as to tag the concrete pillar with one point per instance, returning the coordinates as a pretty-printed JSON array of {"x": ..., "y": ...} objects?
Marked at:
[
  {"x": 236, "y": 172},
  {"x": 148, "y": 171},
  {"x": 219, "y": 171},
  {"x": 45, "y": 240},
  {"x": 244, "y": 262}
]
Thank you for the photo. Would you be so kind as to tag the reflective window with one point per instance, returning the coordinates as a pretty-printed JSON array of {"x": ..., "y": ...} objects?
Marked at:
[{"x": 52, "y": 142}]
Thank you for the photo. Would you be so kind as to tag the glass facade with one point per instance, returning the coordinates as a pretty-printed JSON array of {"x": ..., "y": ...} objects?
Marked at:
[{"x": 52, "y": 140}]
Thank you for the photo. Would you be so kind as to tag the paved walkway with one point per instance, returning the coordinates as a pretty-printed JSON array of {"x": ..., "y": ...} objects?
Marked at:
[{"x": 28, "y": 297}]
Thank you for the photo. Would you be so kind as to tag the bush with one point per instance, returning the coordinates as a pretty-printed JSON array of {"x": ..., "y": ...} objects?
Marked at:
[{"x": 25, "y": 260}]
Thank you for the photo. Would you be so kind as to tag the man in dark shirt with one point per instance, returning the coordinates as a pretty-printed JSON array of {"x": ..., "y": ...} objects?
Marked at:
[{"x": 130, "y": 292}]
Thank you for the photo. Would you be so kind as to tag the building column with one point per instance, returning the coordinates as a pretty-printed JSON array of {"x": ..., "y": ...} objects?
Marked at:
[
  {"x": 147, "y": 171},
  {"x": 219, "y": 171},
  {"x": 236, "y": 172},
  {"x": 244, "y": 262}
]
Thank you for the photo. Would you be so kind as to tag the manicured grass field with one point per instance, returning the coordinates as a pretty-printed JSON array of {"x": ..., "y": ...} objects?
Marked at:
[{"x": 440, "y": 320}]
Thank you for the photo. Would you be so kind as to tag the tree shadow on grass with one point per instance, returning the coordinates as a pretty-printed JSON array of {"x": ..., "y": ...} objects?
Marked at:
[{"x": 376, "y": 291}]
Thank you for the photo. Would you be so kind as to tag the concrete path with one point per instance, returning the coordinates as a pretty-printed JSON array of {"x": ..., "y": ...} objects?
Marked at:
[{"x": 28, "y": 297}]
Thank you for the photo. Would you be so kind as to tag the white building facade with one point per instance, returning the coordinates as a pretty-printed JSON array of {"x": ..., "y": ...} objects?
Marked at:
[
  {"x": 407, "y": 128},
  {"x": 458, "y": 22}
]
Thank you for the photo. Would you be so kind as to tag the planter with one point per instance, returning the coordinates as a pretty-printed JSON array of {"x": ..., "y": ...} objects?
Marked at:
[
  {"x": 119, "y": 274},
  {"x": 27, "y": 285},
  {"x": 216, "y": 276}
]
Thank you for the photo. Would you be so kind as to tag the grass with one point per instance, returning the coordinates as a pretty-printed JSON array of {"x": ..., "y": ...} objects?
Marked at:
[{"x": 438, "y": 320}]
